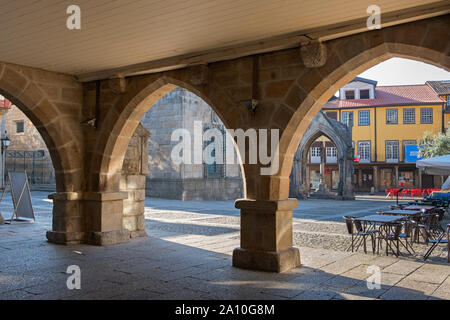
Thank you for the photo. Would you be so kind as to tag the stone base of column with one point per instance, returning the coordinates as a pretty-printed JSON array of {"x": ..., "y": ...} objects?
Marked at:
[
  {"x": 104, "y": 238},
  {"x": 68, "y": 221},
  {"x": 266, "y": 260},
  {"x": 138, "y": 234},
  {"x": 61, "y": 237}
]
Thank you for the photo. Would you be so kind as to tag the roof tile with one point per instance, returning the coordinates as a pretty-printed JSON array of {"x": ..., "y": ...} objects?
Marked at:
[{"x": 391, "y": 95}]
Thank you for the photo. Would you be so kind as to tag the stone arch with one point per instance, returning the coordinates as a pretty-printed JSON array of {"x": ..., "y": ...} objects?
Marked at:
[
  {"x": 115, "y": 138},
  {"x": 341, "y": 136},
  {"x": 426, "y": 41},
  {"x": 58, "y": 130}
]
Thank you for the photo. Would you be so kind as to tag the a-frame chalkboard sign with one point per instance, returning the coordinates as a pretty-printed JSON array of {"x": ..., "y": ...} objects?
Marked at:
[{"x": 21, "y": 197}]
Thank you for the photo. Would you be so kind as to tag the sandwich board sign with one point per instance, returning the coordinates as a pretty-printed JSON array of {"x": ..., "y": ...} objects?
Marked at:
[{"x": 21, "y": 196}]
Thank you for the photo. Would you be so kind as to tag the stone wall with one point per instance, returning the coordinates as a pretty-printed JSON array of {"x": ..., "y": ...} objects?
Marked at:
[
  {"x": 133, "y": 181},
  {"x": 180, "y": 109},
  {"x": 40, "y": 170}
]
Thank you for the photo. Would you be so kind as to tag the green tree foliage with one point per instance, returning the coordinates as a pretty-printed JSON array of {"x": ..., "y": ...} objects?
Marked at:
[{"x": 434, "y": 145}]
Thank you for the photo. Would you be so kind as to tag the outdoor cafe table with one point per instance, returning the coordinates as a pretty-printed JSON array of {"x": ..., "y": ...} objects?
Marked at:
[
  {"x": 374, "y": 219},
  {"x": 379, "y": 219},
  {"x": 415, "y": 207},
  {"x": 406, "y": 213}
]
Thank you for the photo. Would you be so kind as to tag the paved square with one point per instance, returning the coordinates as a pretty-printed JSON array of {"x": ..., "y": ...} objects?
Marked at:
[{"x": 188, "y": 256}]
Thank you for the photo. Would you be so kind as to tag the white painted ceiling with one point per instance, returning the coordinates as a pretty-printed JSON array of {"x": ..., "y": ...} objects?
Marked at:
[{"x": 117, "y": 33}]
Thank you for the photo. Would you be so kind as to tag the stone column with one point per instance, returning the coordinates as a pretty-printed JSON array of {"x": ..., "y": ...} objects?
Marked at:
[
  {"x": 266, "y": 236},
  {"x": 375, "y": 179},
  {"x": 68, "y": 224},
  {"x": 396, "y": 176},
  {"x": 346, "y": 177},
  {"x": 132, "y": 180},
  {"x": 359, "y": 177},
  {"x": 419, "y": 178},
  {"x": 322, "y": 165},
  {"x": 307, "y": 181},
  {"x": 104, "y": 220}
]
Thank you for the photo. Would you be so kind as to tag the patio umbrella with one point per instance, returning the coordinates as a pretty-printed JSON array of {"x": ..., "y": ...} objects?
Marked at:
[{"x": 436, "y": 165}]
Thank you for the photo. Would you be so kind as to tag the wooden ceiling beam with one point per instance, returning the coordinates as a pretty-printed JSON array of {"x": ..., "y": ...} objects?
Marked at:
[{"x": 287, "y": 41}]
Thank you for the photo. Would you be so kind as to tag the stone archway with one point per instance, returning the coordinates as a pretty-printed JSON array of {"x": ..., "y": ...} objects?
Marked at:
[
  {"x": 104, "y": 197},
  {"x": 120, "y": 123},
  {"x": 290, "y": 92},
  {"x": 341, "y": 136},
  {"x": 425, "y": 40},
  {"x": 49, "y": 101}
]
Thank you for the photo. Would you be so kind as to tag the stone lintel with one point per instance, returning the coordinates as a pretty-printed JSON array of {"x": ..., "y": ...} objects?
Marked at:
[{"x": 270, "y": 261}]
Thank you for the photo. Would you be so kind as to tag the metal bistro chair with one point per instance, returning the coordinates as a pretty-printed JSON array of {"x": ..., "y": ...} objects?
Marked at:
[
  {"x": 390, "y": 237},
  {"x": 408, "y": 235},
  {"x": 440, "y": 239},
  {"x": 359, "y": 237},
  {"x": 428, "y": 226}
]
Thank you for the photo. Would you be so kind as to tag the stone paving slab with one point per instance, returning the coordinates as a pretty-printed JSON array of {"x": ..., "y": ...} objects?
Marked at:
[{"x": 190, "y": 258}]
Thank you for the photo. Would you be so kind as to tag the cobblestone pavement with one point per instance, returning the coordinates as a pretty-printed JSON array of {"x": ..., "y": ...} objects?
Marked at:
[{"x": 188, "y": 256}]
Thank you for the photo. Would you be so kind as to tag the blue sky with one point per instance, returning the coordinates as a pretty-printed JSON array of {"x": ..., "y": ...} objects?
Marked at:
[{"x": 397, "y": 71}]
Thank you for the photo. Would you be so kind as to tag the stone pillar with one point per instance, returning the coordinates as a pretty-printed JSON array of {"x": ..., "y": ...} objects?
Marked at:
[
  {"x": 68, "y": 224},
  {"x": 104, "y": 218},
  {"x": 396, "y": 176},
  {"x": 322, "y": 165},
  {"x": 419, "y": 178},
  {"x": 359, "y": 177},
  {"x": 346, "y": 178},
  {"x": 307, "y": 181},
  {"x": 133, "y": 177},
  {"x": 266, "y": 236},
  {"x": 375, "y": 179},
  {"x": 134, "y": 206}
]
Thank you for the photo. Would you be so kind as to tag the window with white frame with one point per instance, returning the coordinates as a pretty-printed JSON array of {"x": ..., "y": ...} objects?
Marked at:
[
  {"x": 391, "y": 116},
  {"x": 407, "y": 143},
  {"x": 350, "y": 94},
  {"x": 391, "y": 151},
  {"x": 364, "y": 117},
  {"x": 315, "y": 154},
  {"x": 347, "y": 118},
  {"x": 331, "y": 153},
  {"x": 364, "y": 94},
  {"x": 364, "y": 151},
  {"x": 426, "y": 115},
  {"x": 409, "y": 115}
]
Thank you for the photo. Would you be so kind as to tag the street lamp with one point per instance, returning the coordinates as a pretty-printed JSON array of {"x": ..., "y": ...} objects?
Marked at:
[{"x": 6, "y": 142}]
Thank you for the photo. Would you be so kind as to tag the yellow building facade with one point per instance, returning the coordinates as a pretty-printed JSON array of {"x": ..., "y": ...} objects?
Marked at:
[
  {"x": 385, "y": 120},
  {"x": 442, "y": 88}
]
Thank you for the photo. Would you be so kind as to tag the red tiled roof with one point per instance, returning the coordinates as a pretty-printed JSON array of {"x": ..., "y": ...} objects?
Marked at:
[
  {"x": 391, "y": 95},
  {"x": 6, "y": 104}
]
